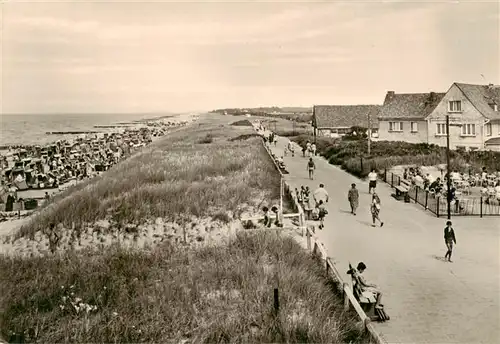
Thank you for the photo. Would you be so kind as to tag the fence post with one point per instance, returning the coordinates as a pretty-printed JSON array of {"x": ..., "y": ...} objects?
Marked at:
[
  {"x": 276, "y": 301},
  {"x": 385, "y": 175},
  {"x": 308, "y": 235},
  {"x": 426, "y": 198},
  {"x": 361, "y": 164},
  {"x": 481, "y": 207},
  {"x": 416, "y": 194},
  {"x": 301, "y": 222},
  {"x": 437, "y": 205},
  {"x": 346, "y": 298},
  {"x": 392, "y": 180}
]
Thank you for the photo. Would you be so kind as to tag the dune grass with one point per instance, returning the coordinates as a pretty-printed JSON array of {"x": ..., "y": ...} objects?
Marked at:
[
  {"x": 196, "y": 171},
  {"x": 213, "y": 294}
]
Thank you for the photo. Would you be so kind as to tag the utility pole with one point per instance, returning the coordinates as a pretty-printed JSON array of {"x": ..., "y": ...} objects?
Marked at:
[
  {"x": 369, "y": 133},
  {"x": 448, "y": 179},
  {"x": 314, "y": 123}
]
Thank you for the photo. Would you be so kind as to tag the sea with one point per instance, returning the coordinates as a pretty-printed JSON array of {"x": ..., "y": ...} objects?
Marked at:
[{"x": 31, "y": 129}]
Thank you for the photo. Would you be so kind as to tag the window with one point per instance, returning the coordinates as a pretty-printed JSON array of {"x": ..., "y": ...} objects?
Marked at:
[
  {"x": 441, "y": 129},
  {"x": 455, "y": 106},
  {"x": 414, "y": 127},
  {"x": 468, "y": 130},
  {"x": 488, "y": 129},
  {"x": 395, "y": 126},
  {"x": 494, "y": 106}
]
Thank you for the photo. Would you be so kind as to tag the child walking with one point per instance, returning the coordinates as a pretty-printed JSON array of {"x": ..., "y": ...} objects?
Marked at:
[
  {"x": 311, "y": 167},
  {"x": 322, "y": 212},
  {"x": 375, "y": 209},
  {"x": 449, "y": 239}
]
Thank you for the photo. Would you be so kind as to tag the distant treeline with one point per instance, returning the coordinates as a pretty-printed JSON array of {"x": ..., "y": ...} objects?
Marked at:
[{"x": 299, "y": 114}]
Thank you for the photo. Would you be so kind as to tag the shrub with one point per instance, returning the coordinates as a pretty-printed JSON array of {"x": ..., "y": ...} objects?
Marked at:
[
  {"x": 243, "y": 137},
  {"x": 386, "y": 154},
  {"x": 207, "y": 139},
  {"x": 243, "y": 122}
]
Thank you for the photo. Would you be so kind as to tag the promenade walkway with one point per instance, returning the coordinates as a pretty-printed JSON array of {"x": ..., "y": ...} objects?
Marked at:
[{"x": 429, "y": 300}]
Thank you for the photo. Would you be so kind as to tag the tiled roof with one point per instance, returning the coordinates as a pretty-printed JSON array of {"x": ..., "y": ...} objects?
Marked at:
[
  {"x": 409, "y": 105},
  {"x": 481, "y": 96},
  {"x": 345, "y": 116}
]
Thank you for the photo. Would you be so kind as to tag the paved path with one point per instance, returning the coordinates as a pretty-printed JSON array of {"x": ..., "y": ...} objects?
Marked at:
[{"x": 429, "y": 300}]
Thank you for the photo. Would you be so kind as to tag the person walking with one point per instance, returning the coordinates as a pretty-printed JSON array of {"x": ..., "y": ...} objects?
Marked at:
[
  {"x": 311, "y": 166},
  {"x": 308, "y": 204},
  {"x": 372, "y": 177},
  {"x": 449, "y": 240},
  {"x": 353, "y": 198},
  {"x": 313, "y": 149},
  {"x": 291, "y": 148},
  {"x": 304, "y": 148},
  {"x": 308, "y": 148},
  {"x": 375, "y": 209},
  {"x": 322, "y": 212},
  {"x": 320, "y": 194}
]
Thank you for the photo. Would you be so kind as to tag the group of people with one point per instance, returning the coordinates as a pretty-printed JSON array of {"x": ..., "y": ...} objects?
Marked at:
[
  {"x": 353, "y": 199},
  {"x": 309, "y": 149},
  {"x": 314, "y": 205}
]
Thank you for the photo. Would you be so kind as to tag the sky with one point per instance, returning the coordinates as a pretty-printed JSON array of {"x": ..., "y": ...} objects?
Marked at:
[{"x": 116, "y": 56}]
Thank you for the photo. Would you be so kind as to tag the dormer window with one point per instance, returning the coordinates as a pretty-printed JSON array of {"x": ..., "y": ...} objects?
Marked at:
[
  {"x": 455, "y": 106},
  {"x": 494, "y": 106}
]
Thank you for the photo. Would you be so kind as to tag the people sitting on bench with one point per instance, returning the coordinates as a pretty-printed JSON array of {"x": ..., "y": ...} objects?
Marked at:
[
  {"x": 357, "y": 275},
  {"x": 281, "y": 163}
]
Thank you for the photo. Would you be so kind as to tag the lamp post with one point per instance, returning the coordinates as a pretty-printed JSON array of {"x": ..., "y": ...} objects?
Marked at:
[{"x": 448, "y": 179}]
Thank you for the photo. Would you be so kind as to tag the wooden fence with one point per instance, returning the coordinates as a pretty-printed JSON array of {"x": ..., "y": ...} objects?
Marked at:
[{"x": 345, "y": 288}]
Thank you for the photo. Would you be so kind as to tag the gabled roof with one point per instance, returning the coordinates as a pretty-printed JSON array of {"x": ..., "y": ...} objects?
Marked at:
[
  {"x": 345, "y": 116},
  {"x": 481, "y": 96},
  {"x": 409, "y": 105}
]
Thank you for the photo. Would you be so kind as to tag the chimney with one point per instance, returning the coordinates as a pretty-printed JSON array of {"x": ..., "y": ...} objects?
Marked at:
[
  {"x": 490, "y": 86},
  {"x": 432, "y": 96},
  {"x": 389, "y": 96}
]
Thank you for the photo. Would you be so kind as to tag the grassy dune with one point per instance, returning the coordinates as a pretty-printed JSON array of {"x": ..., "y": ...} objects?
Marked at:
[
  {"x": 209, "y": 295},
  {"x": 171, "y": 291},
  {"x": 200, "y": 171}
]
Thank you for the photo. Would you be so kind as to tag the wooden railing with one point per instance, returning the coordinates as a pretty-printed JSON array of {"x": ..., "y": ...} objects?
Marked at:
[{"x": 320, "y": 253}]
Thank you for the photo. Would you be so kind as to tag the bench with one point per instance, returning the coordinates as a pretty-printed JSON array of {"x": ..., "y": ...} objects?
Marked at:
[
  {"x": 402, "y": 190},
  {"x": 364, "y": 297}
]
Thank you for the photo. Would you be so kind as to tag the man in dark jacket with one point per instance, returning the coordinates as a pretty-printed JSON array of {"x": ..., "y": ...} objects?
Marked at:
[{"x": 449, "y": 239}]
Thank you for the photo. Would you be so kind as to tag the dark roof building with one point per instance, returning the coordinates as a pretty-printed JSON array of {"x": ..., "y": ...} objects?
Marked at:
[
  {"x": 485, "y": 98},
  {"x": 345, "y": 116},
  {"x": 409, "y": 106}
]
